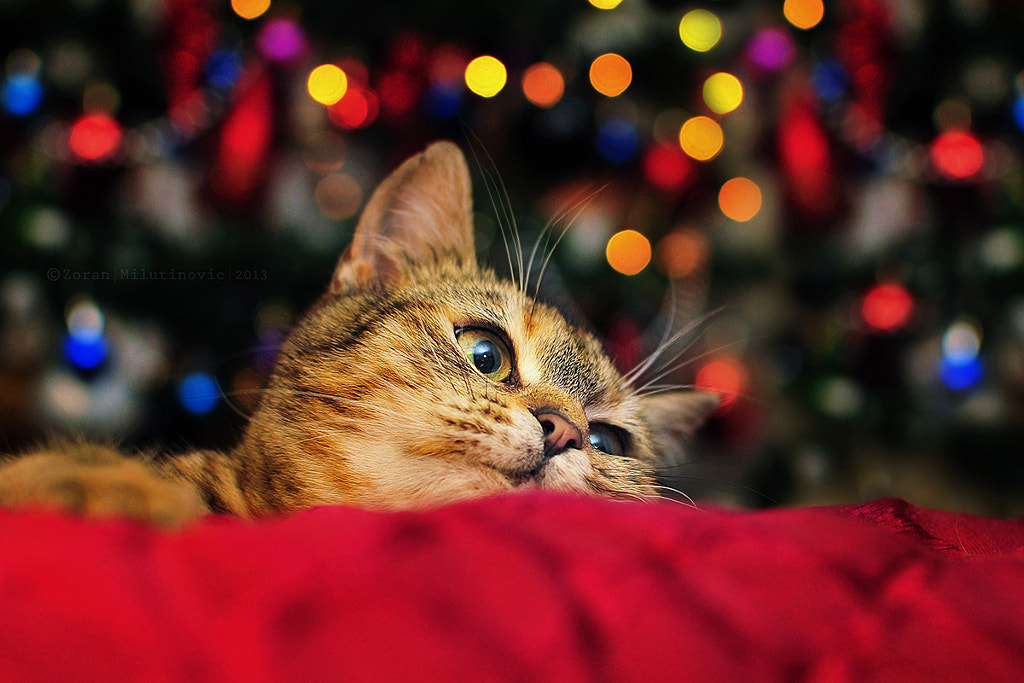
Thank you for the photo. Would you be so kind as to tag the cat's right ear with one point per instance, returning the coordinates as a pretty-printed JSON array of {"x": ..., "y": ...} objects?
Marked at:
[{"x": 421, "y": 215}]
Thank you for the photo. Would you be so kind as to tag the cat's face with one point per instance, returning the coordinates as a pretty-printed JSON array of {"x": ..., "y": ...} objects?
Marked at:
[{"x": 420, "y": 378}]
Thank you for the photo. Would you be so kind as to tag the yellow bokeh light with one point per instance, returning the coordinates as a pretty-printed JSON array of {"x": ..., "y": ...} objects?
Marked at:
[
  {"x": 628, "y": 252},
  {"x": 804, "y": 14},
  {"x": 250, "y": 9},
  {"x": 723, "y": 92},
  {"x": 486, "y": 76},
  {"x": 610, "y": 74},
  {"x": 740, "y": 199},
  {"x": 700, "y": 30},
  {"x": 701, "y": 138},
  {"x": 543, "y": 85},
  {"x": 605, "y": 4},
  {"x": 327, "y": 84}
]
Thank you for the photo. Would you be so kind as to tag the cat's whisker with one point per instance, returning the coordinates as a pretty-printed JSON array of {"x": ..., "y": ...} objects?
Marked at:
[
  {"x": 686, "y": 500},
  {"x": 580, "y": 206},
  {"x": 655, "y": 358},
  {"x": 502, "y": 205}
]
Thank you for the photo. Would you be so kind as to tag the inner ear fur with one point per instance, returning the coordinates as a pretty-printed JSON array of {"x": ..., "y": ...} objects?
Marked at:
[{"x": 420, "y": 215}]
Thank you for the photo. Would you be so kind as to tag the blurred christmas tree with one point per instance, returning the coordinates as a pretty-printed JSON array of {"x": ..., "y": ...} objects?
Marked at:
[{"x": 834, "y": 194}]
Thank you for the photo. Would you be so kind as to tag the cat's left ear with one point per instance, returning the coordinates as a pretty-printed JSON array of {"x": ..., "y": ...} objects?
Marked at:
[
  {"x": 673, "y": 417},
  {"x": 421, "y": 214}
]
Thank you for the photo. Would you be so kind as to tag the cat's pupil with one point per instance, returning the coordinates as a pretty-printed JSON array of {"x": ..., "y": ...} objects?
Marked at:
[{"x": 486, "y": 357}]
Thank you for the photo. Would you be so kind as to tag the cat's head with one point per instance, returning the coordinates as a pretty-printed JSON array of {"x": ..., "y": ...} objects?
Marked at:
[{"x": 421, "y": 378}]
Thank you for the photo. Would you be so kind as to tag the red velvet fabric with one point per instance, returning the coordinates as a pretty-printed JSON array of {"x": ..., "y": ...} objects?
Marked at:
[{"x": 526, "y": 587}]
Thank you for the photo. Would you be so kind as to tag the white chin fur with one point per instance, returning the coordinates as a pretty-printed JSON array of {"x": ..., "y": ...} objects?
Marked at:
[{"x": 566, "y": 472}]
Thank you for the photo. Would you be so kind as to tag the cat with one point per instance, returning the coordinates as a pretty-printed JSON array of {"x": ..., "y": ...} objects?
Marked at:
[{"x": 417, "y": 379}]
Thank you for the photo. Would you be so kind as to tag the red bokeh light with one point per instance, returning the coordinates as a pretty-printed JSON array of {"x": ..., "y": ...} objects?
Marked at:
[
  {"x": 95, "y": 138},
  {"x": 806, "y": 159},
  {"x": 668, "y": 168},
  {"x": 244, "y": 143},
  {"x": 357, "y": 109},
  {"x": 724, "y": 376},
  {"x": 887, "y": 307},
  {"x": 957, "y": 155}
]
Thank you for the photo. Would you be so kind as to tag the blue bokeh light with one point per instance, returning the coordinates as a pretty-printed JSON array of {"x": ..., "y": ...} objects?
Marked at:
[
  {"x": 829, "y": 80},
  {"x": 617, "y": 141},
  {"x": 22, "y": 94},
  {"x": 960, "y": 373},
  {"x": 85, "y": 352},
  {"x": 1017, "y": 110},
  {"x": 443, "y": 100},
  {"x": 223, "y": 68},
  {"x": 198, "y": 393}
]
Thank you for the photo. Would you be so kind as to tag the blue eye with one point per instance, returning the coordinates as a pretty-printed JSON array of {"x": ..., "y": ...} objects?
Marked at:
[
  {"x": 607, "y": 439},
  {"x": 487, "y": 352}
]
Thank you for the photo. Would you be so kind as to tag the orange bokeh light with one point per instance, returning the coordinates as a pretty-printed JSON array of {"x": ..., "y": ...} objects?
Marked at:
[
  {"x": 628, "y": 252},
  {"x": 804, "y": 14},
  {"x": 543, "y": 85},
  {"x": 682, "y": 253},
  {"x": 740, "y": 199},
  {"x": 610, "y": 74}
]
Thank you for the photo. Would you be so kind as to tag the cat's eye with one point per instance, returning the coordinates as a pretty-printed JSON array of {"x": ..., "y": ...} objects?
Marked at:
[
  {"x": 607, "y": 439},
  {"x": 487, "y": 352}
]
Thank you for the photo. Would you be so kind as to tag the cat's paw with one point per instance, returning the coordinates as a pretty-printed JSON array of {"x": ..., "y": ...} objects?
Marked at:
[{"x": 97, "y": 482}]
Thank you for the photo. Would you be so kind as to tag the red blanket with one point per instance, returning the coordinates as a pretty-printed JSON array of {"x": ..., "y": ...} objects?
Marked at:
[{"x": 527, "y": 587}]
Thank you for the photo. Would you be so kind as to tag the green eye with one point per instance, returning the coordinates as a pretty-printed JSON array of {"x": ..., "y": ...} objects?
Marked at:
[
  {"x": 487, "y": 352},
  {"x": 607, "y": 439}
]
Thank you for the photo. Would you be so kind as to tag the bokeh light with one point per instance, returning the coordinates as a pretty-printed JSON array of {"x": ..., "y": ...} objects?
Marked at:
[
  {"x": 281, "y": 40},
  {"x": 725, "y": 376},
  {"x": 628, "y": 252},
  {"x": 22, "y": 94},
  {"x": 327, "y": 84},
  {"x": 198, "y": 393},
  {"x": 617, "y": 141},
  {"x": 1017, "y": 111},
  {"x": 962, "y": 340},
  {"x": 722, "y": 92},
  {"x": 771, "y": 49},
  {"x": 84, "y": 346},
  {"x": 829, "y": 80},
  {"x": 95, "y": 138},
  {"x": 443, "y": 99},
  {"x": 740, "y": 199},
  {"x": 357, "y": 108},
  {"x": 887, "y": 307},
  {"x": 667, "y": 168},
  {"x": 961, "y": 367},
  {"x": 682, "y": 253},
  {"x": 22, "y": 90},
  {"x": 804, "y": 14},
  {"x": 543, "y": 85},
  {"x": 224, "y": 68},
  {"x": 700, "y": 30},
  {"x": 338, "y": 196},
  {"x": 605, "y": 4},
  {"x": 611, "y": 74},
  {"x": 701, "y": 137},
  {"x": 957, "y": 155},
  {"x": 250, "y": 9},
  {"x": 486, "y": 76}
]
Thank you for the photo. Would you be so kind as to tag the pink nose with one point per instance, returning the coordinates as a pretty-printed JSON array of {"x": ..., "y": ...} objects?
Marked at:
[{"x": 559, "y": 434}]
